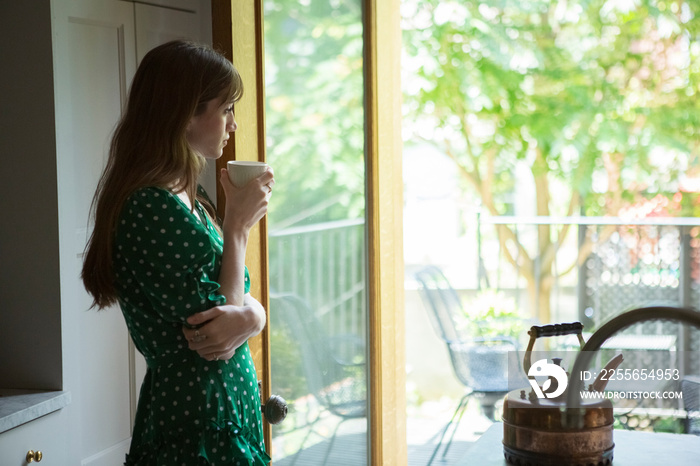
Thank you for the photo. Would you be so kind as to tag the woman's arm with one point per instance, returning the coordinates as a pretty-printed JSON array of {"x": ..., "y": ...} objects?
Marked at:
[
  {"x": 228, "y": 327},
  {"x": 244, "y": 208}
]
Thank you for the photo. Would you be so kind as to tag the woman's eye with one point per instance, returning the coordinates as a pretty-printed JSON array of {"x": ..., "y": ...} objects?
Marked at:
[{"x": 229, "y": 109}]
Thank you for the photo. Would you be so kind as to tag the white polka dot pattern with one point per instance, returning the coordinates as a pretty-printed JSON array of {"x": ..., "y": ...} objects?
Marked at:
[{"x": 191, "y": 411}]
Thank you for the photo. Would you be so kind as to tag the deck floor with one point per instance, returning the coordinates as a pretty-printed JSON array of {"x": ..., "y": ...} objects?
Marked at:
[
  {"x": 350, "y": 450},
  {"x": 423, "y": 430}
]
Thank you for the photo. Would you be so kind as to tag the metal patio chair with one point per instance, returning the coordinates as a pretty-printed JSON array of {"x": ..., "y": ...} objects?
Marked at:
[
  {"x": 690, "y": 387},
  {"x": 334, "y": 366},
  {"x": 480, "y": 362}
]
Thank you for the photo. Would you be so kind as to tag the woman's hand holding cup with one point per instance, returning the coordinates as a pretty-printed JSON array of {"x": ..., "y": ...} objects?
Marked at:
[{"x": 247, "y": 186}]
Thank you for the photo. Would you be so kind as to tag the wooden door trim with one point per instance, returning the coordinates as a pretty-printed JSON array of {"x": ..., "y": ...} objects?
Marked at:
[
  {"x": 387, "y": 384},
  {"x": 240, "y": 37}
]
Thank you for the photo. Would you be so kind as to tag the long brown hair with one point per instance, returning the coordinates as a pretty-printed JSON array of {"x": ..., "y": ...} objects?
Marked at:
[{"x": 172, "y": 84}]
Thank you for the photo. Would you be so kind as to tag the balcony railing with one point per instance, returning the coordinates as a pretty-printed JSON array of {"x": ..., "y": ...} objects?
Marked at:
[
  {"x": 325, "y": 265},
  {"x": 619, "y": 264}
]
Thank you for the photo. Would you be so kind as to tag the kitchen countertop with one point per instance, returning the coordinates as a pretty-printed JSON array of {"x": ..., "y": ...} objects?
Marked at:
[{"x": 21, "y": 406}]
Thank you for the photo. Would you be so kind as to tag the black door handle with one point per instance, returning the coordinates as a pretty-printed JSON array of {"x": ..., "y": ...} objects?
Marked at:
[{"x": 275, "y": 409}]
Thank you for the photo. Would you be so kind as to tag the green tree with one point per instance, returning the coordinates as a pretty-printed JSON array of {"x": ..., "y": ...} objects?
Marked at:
[
  {"x": 314, "y": 109},
  {"x": 597, "y": 98}
]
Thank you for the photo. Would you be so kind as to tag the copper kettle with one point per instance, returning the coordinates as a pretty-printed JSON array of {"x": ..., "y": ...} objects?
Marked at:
[{"x": 564, "y": 429}]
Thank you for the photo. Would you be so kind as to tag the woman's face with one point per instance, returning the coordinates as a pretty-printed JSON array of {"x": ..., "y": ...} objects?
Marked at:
[{"x": 208, "y": 132}]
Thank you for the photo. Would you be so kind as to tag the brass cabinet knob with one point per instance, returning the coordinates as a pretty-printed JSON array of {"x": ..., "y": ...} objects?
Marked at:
[{"x": 34, "y": 456}]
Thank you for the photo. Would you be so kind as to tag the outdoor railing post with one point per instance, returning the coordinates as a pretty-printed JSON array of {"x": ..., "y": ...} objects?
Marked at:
[
  {"x": 581, "y": 281},
  {"x": 685, "y": 286},
  {"x": 479, "y": 265}
]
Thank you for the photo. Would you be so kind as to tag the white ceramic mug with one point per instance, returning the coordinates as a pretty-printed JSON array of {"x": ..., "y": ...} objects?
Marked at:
[{"x": 241, "y": 172}]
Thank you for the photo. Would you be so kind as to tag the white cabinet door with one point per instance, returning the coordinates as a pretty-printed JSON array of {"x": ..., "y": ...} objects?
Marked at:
[
  {"x": 46, "y": 435},
  {"x": 157, "y": 25},
  {"x": 94, "y": 60},
  {"x": 154, "y": 26}
]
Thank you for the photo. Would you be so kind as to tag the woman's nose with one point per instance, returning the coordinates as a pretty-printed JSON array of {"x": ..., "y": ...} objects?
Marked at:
[{"x": 233, "y": 126}]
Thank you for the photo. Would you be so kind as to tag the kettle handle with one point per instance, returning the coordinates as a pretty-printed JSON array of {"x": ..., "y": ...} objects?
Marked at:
[
  {"x": 572, "y": 415},
  {"x": 555, "y": 330},
  {"x": 552, "y": 330}
]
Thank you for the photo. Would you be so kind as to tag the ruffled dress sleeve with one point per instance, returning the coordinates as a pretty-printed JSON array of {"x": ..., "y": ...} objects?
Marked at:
[{"x": 168, "y": 254}]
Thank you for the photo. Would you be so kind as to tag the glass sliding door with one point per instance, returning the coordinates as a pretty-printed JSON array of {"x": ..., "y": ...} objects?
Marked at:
[{"x": 316, "y": 229}]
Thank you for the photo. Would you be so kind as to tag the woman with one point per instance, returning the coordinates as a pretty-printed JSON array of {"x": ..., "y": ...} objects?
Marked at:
[{"x": 178, "y": 277}]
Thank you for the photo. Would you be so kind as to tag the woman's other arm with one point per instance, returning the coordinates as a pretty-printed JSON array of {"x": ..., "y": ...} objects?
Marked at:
[{"x": 226, "y": 328}]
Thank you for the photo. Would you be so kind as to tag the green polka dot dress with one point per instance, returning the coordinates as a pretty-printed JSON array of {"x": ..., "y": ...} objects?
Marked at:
[{"x": 190, "y": 411}]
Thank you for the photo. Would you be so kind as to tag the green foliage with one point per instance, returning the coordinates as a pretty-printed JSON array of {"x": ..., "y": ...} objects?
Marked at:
[
  {"x": 558, "y": 86},
  {"x": 314, "y": 111},
  {"x": 669, "y": 424},
  {"x": 288, "y": 379},
  {"x": 495, "y": 314},
  {"x": 644, "y": 421},
  {"x": 598, "y": 94}
]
